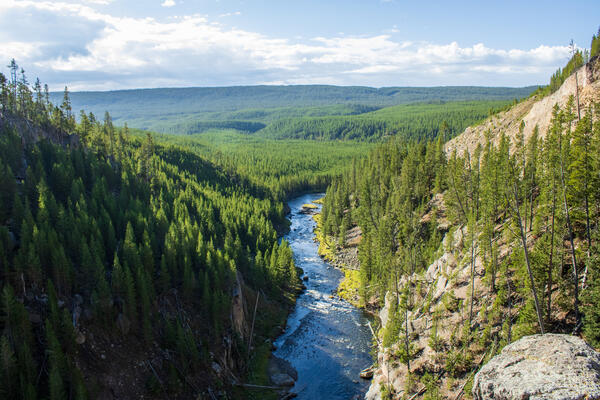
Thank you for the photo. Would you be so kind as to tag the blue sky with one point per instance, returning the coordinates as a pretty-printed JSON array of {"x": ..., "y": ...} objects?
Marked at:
[{"x": 118, "y": 44}]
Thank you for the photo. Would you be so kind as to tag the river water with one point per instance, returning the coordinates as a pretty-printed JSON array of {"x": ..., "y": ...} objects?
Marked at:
[{"x": 326, "y": 339}]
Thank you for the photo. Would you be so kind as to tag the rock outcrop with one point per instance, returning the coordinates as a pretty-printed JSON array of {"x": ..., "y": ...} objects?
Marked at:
[
  {"x": 32, "y": 133},
  {"x": 540, "y": 367},
  {"x": 534, "y": 111},
  {"x": 281, "y": 372}
]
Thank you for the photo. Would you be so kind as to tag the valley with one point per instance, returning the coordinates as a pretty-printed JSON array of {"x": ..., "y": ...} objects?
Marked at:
[{"x": 281, "y": 241}]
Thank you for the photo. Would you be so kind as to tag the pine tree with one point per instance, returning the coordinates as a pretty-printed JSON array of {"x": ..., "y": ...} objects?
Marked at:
[
  {"x": 581, "y": 174},
  {"x": 55, "y": 381},
  {"x": 8, "y": 189},
  {"x": 145, "y": 296},
  {"x": 8, "y": 369},
  {"x": 591, "y": 296},
  {"x": 67, "y": 112}
]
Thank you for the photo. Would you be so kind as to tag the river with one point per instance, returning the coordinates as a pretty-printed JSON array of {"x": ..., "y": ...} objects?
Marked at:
[{"x": 326, "y": 339}]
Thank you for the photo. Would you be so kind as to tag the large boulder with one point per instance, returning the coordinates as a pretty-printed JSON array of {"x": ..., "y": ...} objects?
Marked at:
[
  {"x": 281, "y": 372},
  {"x": 537, "y": 367}
]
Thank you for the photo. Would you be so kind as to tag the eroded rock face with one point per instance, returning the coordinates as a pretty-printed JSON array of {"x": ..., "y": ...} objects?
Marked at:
[{"x": 537, "y": 367}]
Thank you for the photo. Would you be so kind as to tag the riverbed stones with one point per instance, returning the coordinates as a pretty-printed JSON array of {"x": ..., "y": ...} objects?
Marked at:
[
  {"x": 550, "y": 366},
  {"x": 282, "y": 380},
  {"x": 281, "y": 372}
]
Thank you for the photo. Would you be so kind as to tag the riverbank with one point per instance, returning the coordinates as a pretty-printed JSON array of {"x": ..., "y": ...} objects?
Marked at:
[
  {"x": 269, "y": 323},
  {"x": 343, "y": 258}
]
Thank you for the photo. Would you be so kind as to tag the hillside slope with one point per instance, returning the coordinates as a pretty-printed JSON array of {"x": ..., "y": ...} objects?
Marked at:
[
  {"x": 534, "y": 111},
  {"x": 126, "y": 266},
  {"x": 461, "y": 255}
]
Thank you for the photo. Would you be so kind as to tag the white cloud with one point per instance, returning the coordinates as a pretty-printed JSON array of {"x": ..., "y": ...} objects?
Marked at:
[
  {"x": 21, "y": 50},
  {"x": 168, "y": 3},
  {"x": 394, "y": 29},
  {"x": 94, "y": 49},
  {"x": 230, "y": 14},
  {"x": 100, "y": 2}
]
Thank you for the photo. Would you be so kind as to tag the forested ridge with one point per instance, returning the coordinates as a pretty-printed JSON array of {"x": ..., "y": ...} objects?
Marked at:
[
  {"x": 120, "y": 258},
  {"x": 513, "y": 228},
  {"x": 151, "y": 108},
  {"x": 413, "y": 121},
  {"x": 294, "y": 111}
]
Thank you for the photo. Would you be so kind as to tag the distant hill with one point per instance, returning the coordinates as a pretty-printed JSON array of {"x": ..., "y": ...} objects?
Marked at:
[
  {"x": 411, "y": 121},
  {"x": 162, "y": 109}
]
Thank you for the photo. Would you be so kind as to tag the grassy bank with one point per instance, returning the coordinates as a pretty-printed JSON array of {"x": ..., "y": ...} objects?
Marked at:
[{"x": 348, "y": 288}]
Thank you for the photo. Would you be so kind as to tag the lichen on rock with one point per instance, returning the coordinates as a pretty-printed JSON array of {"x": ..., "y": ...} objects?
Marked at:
[{"x": 550, "y": 366}]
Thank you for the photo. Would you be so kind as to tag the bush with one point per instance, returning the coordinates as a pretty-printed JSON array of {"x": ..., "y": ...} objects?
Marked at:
[
  {"x": 450, "y": 301},
  {"x": 458, "y": 363}
]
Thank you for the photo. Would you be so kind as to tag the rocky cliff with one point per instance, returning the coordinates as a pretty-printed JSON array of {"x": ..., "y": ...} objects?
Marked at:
[
  {"x": 533, "y": 111},
  {"x": 436, "y": 327}
]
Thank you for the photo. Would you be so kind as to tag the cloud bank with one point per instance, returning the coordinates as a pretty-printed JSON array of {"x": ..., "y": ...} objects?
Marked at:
[{"x": 78, "y": 45}]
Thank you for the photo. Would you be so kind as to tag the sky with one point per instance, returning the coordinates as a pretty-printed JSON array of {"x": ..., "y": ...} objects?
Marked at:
[{"x": 124, "y": 44}]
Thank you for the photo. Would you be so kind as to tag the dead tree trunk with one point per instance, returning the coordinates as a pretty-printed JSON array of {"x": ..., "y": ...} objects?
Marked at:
[
  {"x": 551, "y": 261},
  {"x": 526, "y": 251},
  {"x": 573, "y": 257}
]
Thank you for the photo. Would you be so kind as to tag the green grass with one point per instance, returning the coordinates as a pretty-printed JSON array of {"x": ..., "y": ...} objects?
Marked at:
[
  {"x": 325, "y": 249},
  {"x": 349, "y": 287}
]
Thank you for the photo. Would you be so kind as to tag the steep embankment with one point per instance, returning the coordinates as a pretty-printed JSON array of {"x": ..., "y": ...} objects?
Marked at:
[
  {"x": 534, "y": 111},
  {"x": 451, "y": 327},
  {"x": 438, "y": 327},
  {"x": 119, "y": 273}
]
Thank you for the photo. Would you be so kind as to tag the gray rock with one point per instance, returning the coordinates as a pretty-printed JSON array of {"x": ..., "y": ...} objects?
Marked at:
[
  {"x": 282, "y": 380},
  {"x": 80, "y": 338},
  {"x": 551, "y": 366},
  {"x": 216, "y": 368},
  {"x": 123, "y": 324},
  {"x": 281, "y": 372}
]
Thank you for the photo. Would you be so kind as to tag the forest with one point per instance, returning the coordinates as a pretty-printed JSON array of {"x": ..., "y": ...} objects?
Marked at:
[
  {"x": 528, "y": 211},
  {"x": 412, "y": 121},
  {"x": 109, "y": 237},
  {"x": 286, "y": 167},
  {"x": 194, "y": 110},
  {"x": 112, "y": 233}
]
